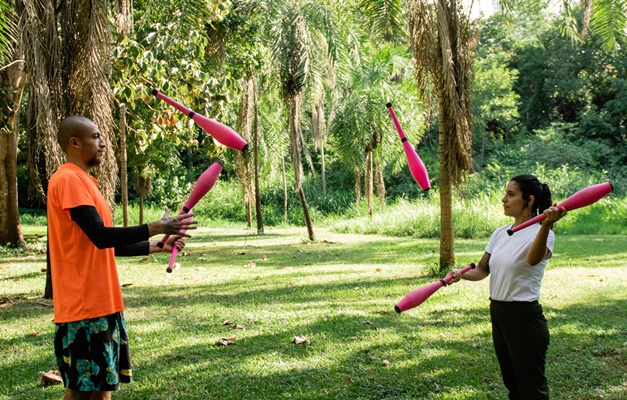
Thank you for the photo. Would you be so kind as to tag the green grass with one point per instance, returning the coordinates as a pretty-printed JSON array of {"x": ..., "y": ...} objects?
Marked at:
[{"x": 339, "y": 292}]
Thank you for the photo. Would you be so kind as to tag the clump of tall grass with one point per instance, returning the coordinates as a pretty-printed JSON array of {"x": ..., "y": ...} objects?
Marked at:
[
  {"x": 477, "y": 216},
  {"x": 473, "y": 217}
]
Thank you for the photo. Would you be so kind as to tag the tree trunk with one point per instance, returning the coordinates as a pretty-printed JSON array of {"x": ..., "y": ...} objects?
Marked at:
[
  {"x": 379, "y": 182},
  {"x": 324, "y": 179},
  {"x": 12, "y": 81},
  {"x": 123, "y": 170},
  {"x": 141, "y": 200},
  {"x": 284, "y": 178},
  {"x": 368, "y": 180},
  {"x": 447, "y": 246},
  {"x": 294, "y": 105},
  {"x": 258, "y": 213},
  {"x": 357, "y": 174}
]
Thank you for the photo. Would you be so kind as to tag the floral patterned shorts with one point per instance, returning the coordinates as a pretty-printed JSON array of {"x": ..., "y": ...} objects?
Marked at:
[{"x": 93, "y": 354}]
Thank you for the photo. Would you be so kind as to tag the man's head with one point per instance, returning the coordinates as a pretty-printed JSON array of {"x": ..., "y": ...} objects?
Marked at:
[{"x": 80, "y": 139}]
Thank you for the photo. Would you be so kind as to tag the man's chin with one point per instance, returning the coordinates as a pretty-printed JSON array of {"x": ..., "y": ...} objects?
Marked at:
[{"x": 94, "y": 162}]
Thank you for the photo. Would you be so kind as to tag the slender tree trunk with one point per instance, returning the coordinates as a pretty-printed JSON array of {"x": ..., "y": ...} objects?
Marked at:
[
  {"x": 368, "y": 180},
  {"x": 379, "y": 182},
  {"x": 284, "y": 190},
  {"x": 294, "y": 105},
  {"x": 357, "y": 174},
  {"x": 324, "y": 179},
  {"x": 123, "y": 166},
  {"x": 258, "y": 213},
  {"x": 141, "y": 200},
  {"x": 12, "y": 82},
  {"x": 447, "y": 248}
]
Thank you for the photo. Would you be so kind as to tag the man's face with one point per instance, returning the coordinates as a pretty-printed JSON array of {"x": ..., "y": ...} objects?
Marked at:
[{"x": 91, "y": 144}]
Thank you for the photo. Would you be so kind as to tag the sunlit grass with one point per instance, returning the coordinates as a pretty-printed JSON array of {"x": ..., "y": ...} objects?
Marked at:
[{"x": 339, "y": 293}]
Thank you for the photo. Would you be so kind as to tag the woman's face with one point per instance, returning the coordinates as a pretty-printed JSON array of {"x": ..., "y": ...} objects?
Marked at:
[{"x": 513, "y": 202}]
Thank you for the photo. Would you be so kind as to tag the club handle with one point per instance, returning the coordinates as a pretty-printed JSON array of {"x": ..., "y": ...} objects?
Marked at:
[
  {"x": 175, "y": 250},
  {"x": 399, "y": 129},
  {"x": 467, "y": 268}
]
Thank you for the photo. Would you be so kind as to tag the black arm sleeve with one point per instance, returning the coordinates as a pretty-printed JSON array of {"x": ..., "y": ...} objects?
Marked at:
[
  {"x": 103, "y": 237},
  {"x": 137, "y": 249}
]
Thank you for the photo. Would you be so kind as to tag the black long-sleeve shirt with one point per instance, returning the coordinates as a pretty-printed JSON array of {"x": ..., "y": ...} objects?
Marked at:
[{"x": 127, "y": 241}]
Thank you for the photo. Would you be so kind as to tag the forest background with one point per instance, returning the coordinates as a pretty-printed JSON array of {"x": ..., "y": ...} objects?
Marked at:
[{"x": 548, "y": 97}]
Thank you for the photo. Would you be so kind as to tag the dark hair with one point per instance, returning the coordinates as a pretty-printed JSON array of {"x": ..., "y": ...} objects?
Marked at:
[{"x": 529, "y": 185}]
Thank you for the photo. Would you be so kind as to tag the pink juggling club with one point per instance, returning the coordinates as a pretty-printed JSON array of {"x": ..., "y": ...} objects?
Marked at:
[
  {"x": 416, "y": 166},
  {"x": 220, "y": 132},
  {"x": 175, "y": 250},
  {"x": 415, "y": 298},
  {"x": 582, "y": 198},
  {"x": 203, "y": 184}
]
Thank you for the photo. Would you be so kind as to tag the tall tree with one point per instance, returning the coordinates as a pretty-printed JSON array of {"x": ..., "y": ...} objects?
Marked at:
[
  {"x": 12, "y": 81},
  {"x": 443, "y": 39},
  {"x": 299, "y": 24}
]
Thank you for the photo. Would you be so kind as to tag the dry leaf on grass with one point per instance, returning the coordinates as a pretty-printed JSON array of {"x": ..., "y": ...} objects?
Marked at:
[
  {"x": 227, "y": 341},
  {"x": 52, "y": 377},
  {"x": 236, "y": 326},
  {"x": 298, "y": 339},
  {"x": 126, "y": 285},
  {"x": 385, "y": 363},
  {"x": 227, "y": 322},
  {"x": 251, "y": 264},
  {"x": 200, "y": 268}
]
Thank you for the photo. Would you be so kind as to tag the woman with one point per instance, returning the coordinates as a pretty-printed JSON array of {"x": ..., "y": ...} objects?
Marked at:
[{"x": 516, "y": 266}]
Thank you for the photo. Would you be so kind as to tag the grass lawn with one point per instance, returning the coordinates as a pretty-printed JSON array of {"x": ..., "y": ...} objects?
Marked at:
[{"x": 339, "y": 294}]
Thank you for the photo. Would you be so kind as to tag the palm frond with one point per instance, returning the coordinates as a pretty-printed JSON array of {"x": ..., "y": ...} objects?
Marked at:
[
  {"x": 609, "y": 23},
  {"x": 8, "y": 32},
  {"x": 385, "y": 19}
]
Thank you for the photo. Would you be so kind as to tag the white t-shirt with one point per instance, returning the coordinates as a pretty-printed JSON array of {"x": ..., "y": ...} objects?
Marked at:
[{"x": 511, "y": 277}]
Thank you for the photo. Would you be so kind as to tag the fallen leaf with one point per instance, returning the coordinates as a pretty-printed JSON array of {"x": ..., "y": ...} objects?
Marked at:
[
  {"x": 44, "y": 269},
  {"x": 236, "y": 326},
  {"x": 298, "y": 339},
  {"x": 227, "y": 322},
  {"x": 242, "y": 253},
  {"x": 52, "y": 377},
  {"x": 385, "y": 363},
  {"x": 200, "y": 268},
  {"x": 257, "y": 277},
  {"x": 34, "y": 333},
  {"x": 144, "y": 259},
  {"x": 251, "y": 264},
  {"x": 126, "y": 285},
  {"x": 379, "y": 269},
  {"x": 227, "y": 341},
  {"x": 263, "y": 258},
  {"x": 201, "y": 258}
]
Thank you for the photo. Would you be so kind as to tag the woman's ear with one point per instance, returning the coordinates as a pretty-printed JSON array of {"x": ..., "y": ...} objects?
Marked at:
[{"x": 530, "y": 201}]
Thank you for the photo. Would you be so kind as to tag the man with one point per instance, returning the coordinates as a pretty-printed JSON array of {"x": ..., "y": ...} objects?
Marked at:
[{"x": 90, "y": 340}]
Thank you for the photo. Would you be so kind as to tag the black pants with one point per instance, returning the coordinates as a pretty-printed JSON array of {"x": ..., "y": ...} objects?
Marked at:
[{"x": 521, "y": 338}]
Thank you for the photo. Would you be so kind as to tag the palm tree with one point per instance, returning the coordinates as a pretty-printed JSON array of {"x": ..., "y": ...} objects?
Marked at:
[
  {"x": 300, "y": 24},
  {"x": 12, "y": 82},
  {"x": 443, "y": 40}
]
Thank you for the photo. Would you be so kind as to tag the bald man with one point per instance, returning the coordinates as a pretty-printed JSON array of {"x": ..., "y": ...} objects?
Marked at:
[{"x": 91, "y": 343}]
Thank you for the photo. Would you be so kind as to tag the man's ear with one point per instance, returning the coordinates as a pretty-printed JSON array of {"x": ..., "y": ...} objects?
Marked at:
[{"x": 74, "y": 142}]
